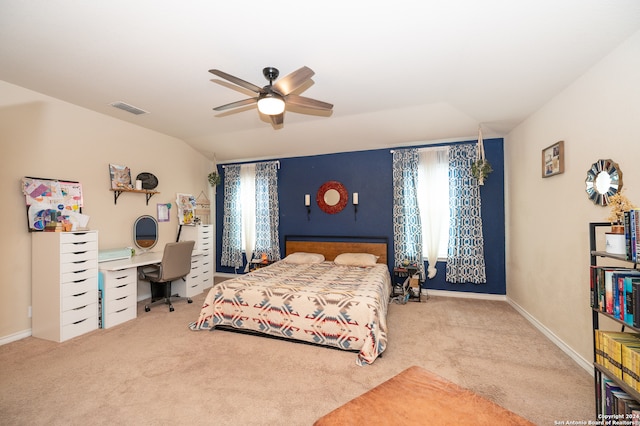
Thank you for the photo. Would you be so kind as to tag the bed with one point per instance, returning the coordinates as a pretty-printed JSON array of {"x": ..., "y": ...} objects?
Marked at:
[{"x": 328, "y": 293}]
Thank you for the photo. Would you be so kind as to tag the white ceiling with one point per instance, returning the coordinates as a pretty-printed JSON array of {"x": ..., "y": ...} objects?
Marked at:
[{"x": 397, "y": 72}]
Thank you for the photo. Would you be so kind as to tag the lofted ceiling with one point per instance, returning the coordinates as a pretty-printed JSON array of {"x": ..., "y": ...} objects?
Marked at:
[{"x": 397, "y": 72}]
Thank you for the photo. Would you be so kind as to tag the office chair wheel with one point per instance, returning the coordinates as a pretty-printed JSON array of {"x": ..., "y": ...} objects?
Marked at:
[
  {"x": 189, "y": 301},
  {"x": 171, "y": 308},
  {"x": 147, "y": 308}
]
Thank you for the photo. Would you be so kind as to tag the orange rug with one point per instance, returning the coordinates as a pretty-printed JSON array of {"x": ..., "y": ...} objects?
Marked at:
[{"x": 418, "y": 397}]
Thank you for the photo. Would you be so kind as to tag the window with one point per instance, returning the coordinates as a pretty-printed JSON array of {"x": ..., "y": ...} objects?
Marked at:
[
  {"x": 248, "y": 201},
  {"x": 433, "y": 200}
]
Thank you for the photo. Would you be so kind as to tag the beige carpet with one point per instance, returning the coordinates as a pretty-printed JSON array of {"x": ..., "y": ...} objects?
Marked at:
[{"x": 155, "y": 371}]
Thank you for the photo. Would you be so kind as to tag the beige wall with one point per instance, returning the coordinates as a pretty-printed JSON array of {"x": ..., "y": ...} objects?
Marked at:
[
  {"x": 598, "y": 116},
  {"x": 44, "y": 137}
]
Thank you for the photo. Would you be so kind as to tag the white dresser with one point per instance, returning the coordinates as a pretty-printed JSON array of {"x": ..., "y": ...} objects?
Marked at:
[
  {"x": 64, "y": 284},
  {"x": 201, "y": 275},
  {"x": 118, "y": 290}
]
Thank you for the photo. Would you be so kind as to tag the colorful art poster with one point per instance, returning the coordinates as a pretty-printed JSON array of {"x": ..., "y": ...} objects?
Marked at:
[
  {"x": 186, "y": 209},
  {"x": 51, "y": 200}
]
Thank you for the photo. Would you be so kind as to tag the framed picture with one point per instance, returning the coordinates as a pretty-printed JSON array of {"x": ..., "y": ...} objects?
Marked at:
[
  {"x": 120, "y": 177},
  {"x": 553, "y": 159},
  {"x": 163, "y": 213}
]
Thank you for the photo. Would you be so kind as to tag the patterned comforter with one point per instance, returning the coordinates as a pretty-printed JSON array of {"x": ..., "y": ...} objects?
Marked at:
[{"x": 322, "y": 303}]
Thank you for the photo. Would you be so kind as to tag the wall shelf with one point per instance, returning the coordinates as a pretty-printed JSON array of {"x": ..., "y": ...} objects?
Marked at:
[{"x": 117, "y": 192}]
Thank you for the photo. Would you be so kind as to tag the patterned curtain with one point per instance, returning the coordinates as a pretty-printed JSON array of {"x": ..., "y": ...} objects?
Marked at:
[
  {"x": 407, "y": 231},
  {"x": 267, "y": 210},
  {"x": 232, "y": 219},
  {"x": 465, "y": 257}
]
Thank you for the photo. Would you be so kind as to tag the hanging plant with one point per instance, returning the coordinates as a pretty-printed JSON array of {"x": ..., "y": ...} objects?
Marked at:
[
  {"x": 214, "y": 178},
  {"x": 480, "y": 169}
]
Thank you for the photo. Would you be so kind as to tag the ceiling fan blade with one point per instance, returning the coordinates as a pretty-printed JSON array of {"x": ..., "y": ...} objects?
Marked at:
[
  {"x": 277, "y": 120},
  {"x": 236, "y": 104},
  {"x": 237, "y": 81},
  {"x": 291, "y": 82},
  {"x": 301, "y": 101}
]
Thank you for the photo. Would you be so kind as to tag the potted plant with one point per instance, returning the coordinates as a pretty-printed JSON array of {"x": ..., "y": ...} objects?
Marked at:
[
  {"x": 619, "y": 204},
  {"x": 214, "y": 178},
  {"x": 480, "y": 169}
]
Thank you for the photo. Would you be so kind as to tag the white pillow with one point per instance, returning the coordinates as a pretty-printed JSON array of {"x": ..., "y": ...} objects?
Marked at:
[
  {"x": 356, "y": 259},
  {"x": 301, "y": 257}
]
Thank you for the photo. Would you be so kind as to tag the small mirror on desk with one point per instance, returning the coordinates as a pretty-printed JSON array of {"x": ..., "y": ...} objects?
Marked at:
[{"x": 145, "y": 232}]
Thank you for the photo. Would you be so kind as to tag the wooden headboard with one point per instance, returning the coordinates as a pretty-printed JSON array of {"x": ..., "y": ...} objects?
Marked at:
[{"x": 330, "y": 247}]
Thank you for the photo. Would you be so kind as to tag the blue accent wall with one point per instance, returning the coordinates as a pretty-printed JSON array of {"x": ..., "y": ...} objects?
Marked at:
[{"x": 369, "y": 173}]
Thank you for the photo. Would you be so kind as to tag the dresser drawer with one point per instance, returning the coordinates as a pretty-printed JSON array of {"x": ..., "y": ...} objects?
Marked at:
[
  {"x": 78, "y": 237},
  {"x": 76, "y": 301},
  {"x": 79, "y": 246},
  {"x": 117, "y": 278},
  {"x": 119, "y": 304},
  {"x": 119, "y": 316},
  {"x": 206, "y": 283},
  {"x": 77, "y": 288},
  {"x": 121, "y": 290},
  {"x": 79, "y": 327},
  {"x": 77, "y": 256},
  {"x": 79, "y": 265},
  {"x": 80, "y": 313},
  {"x": 79, "y": 275}
]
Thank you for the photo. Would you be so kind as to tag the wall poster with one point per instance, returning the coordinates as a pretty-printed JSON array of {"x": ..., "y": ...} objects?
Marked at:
[{"x": 52, "y": 202}]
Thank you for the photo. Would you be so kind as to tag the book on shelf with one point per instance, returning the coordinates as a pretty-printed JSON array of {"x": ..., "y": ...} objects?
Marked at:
[
  {"x": 627, "y": 300},
  {"x": 618, "y": 352},
  {"x": 635, "y": 295},
  {"x": 632, "y": 234},
  {"x": 619, "y": 302}
]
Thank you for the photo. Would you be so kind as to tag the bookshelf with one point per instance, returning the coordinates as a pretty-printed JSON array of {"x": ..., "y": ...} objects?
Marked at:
[{"x": 603, "y": 362}]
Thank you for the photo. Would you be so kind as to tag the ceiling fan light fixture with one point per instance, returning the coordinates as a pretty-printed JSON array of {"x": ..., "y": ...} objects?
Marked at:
[{"x": 271, "y": 104}]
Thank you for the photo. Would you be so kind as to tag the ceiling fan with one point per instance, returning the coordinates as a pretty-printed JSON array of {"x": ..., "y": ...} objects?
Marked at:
[{"x": 273, "y": 97}]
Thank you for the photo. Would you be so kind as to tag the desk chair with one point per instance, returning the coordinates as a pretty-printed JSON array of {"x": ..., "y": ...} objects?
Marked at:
[{"x": 176, "y": 264}]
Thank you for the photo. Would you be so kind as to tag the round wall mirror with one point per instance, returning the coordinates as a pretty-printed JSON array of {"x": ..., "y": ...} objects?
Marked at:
[
  {"x": 332, "y": 197},
  {"x": 145, "y": 232},
  {"x": 604, "y": 179}
]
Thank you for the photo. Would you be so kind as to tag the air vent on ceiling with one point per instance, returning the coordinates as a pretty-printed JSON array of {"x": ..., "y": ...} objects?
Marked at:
[{"x": 129, "y": 108}]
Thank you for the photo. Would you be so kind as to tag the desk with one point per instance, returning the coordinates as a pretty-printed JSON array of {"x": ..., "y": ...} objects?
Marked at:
[
  {"x": 143, "y": 259},
  {"x": 118, "y": 285}
]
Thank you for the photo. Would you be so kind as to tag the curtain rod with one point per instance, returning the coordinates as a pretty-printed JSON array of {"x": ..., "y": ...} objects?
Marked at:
[
  {"x": 224, "y": 166},
  {"x": 424, "y": 148}
]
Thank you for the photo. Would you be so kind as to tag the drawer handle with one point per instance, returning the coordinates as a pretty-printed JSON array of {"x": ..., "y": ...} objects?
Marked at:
[
  {"x": 121, "y": 286},
  {"x": 82, "y": 320},
  {"x": 78, "y": 252},
  {"x": 122, "y": 277},
  {"x": 80, "y": 294},
  {"x": 80, "y": 272},
  {"x": 121, "y": 310},
  {"x": 80, "y": 308},
  {"x": 77, "y": 262},
  {"x": 122, "y": 298},
  {"x": 79, "y": 281}
]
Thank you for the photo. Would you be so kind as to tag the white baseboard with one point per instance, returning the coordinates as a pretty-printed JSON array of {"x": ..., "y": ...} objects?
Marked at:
[
  {"x": 225, "y": 275},
  {"x": 587, "y": 365},
  {"x": 13, "y": 337},
  {"x": 464, "y": 295}
]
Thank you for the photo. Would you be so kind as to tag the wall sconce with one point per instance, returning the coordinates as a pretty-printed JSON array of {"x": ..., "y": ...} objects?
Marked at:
[
  {"x": 307, "y": 203},
  {"x": 355, "y": 205}
]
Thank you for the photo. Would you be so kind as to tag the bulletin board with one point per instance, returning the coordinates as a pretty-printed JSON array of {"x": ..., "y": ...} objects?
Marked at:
[{"x": 52, "y": 200}]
